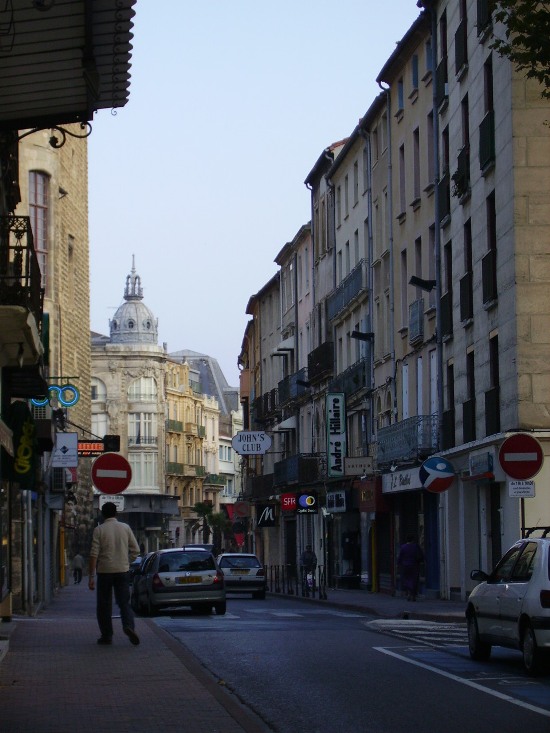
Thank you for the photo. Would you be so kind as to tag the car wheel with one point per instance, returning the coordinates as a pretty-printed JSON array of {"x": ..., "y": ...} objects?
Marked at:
[
  {"x": 479, "y": 650},
  {"x": 260, "y": 594},
  {"x": 202, "y": 608},
  {"x": 220, "y": 608},
  {"x": 533, "y": 657}
]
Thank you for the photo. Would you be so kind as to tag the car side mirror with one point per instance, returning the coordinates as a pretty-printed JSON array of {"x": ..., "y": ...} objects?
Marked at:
[{"x": 478, "y": 575}]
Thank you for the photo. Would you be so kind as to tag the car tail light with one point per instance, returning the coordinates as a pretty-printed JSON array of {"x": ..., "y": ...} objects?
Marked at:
[
  {"x": 157, "y": 582},
  {"x": 260, "y": 572},
  {"x": 219, "y": 577},
  {"x": 545, "y": 598}
]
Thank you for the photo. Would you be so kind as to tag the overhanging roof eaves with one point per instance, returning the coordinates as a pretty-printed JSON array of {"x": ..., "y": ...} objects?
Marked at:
[{"x": 61, "y": 62}]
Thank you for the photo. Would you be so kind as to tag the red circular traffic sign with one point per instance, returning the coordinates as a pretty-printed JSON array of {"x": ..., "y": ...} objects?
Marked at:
[
  {"x": 521, "y": 456},
  {"x": 111, "y": 473}
]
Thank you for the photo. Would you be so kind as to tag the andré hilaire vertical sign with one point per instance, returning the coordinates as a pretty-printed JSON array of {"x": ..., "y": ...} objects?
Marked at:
[{"x": 336, "y": 433}]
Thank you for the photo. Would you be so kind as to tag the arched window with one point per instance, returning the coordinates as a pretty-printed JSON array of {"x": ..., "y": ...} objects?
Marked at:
[{"x": 143, "y": 389}]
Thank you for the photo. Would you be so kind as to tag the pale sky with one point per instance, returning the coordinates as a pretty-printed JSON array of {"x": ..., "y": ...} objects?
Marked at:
[{"x": 201, "y": 174}]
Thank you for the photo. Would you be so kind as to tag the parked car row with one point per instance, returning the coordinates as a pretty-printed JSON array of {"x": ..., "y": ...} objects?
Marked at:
[{"x": 191, "y": 577}]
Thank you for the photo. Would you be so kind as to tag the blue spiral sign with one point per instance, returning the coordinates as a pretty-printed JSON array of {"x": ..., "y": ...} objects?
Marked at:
[
  {"x": 67, "y": 395},
  {"x": 437, "y": 474}
]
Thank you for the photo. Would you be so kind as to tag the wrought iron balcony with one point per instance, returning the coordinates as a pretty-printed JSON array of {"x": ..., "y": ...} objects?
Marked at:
[
  {"x": 138, "y": 440},
  {"x": 291, "y": 387},
  {"x": 301, "y": 468},
  {"x": 348, "y": 290},
  {"x": 320, "y": 362},
  {"x": 20, "y": 289},
  {"x": 412, "y": 439},
  {"x": 353, "y": 379},
  {"x": 259, "y": 487}
]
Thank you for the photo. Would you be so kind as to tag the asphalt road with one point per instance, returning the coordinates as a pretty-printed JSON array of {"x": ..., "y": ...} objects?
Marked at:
[{"x": 323, "y": 670}]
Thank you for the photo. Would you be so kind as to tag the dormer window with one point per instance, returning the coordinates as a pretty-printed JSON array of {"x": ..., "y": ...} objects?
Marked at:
[{"x": 130, "y": 324}]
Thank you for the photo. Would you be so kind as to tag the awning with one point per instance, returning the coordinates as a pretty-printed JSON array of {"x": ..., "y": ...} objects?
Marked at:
[{"x": 62, "y": 61}]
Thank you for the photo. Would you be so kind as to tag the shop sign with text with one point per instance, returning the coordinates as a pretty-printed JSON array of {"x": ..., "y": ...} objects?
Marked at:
[{"x": 336, "y": 434}]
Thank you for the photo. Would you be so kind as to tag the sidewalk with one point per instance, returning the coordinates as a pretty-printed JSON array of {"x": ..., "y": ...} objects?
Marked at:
[{"x": 54, "y": 678}]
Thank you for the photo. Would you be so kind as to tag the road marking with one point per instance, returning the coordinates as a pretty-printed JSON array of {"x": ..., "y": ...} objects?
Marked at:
[{"x": 469, "y": 683}]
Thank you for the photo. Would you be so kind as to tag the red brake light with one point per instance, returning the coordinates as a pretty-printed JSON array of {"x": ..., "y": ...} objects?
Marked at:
[
  {"x": 545, "y": 598},
  {"x": 260, "y": 572},
  {"x": 156, "y": 581},
  {"x": 219, "y": 577}
]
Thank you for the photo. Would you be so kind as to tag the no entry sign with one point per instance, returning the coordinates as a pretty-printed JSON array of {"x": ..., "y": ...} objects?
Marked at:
[
  {"x": 111, "y": 473},
  {"x": 521, "y": 456}
]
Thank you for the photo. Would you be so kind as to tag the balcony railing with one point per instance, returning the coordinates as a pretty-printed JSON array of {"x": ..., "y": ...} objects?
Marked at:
[
  {"x": 259, "y": 487},
  {"x": 184, "y": 469},
  {"x": 353, "y": 379},
  {"x": 320, "y": 362},
  {"x": 296, "y": 469},
  {"x": 348, "y": 290},
  {"x": 292, "y": 387},
  {"x": 139, "y": 440},
  {"x": 191, "y": 428},
  {"x": 212, "y": 479},
  {"x": 174, "y": 426},
  {"x": 20, "y": 278},
  {"x": 409, "y": 440}
]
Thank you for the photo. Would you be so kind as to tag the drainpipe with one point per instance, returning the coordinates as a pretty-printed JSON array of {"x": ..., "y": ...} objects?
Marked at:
[{"x": 389, "y": 214}]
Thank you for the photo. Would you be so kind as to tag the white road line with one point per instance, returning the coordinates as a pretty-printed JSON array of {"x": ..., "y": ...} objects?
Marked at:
[{"x": 469, "y": 683}]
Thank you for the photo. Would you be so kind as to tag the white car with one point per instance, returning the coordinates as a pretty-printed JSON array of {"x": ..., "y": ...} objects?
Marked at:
[
  {"x": 511, "y": 606},
  {"x": 243, "y": 573}
]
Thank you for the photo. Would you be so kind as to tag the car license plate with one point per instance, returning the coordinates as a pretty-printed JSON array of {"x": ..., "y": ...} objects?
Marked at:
[
  {"x": 189, "y": 579},
  {"x": 239, "y": 572}
]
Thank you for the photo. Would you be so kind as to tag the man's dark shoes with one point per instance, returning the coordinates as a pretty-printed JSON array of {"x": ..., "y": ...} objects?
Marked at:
[
  {"x": 131, "y": 634},
  {"x": 105, "y": 640}
]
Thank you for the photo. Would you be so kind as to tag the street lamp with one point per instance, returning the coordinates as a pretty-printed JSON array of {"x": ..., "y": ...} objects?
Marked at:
[
  {"x": 361, "y": 336},
  {"x": 427, "y": 285}
]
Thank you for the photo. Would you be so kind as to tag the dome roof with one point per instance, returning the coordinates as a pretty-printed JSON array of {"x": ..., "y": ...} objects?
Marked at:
[{"x": 133, "y": 322}]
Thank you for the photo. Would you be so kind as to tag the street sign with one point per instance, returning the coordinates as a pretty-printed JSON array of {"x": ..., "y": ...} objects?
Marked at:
[
  {"x": 521, "y": 489},
  {"x": 111, "y": 473},
  {"x": 251, "y": 442},
  {"x": 521, "y": 456},
  {"x": 436, "y": 474},
  {"x": 118, "y": 501}
]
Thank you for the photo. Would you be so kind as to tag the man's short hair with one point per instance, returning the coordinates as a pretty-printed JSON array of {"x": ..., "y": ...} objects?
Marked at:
[{"x": 108, "y": 510}]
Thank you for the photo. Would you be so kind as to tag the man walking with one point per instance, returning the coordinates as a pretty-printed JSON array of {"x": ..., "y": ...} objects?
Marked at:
[
  {"x": 113, "y": 549},
  {"x": 78, "y": 567}
]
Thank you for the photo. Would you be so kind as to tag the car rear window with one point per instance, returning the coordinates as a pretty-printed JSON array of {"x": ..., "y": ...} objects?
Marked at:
[
  {"x": 240, "y": 562},
  {"x": 187, "y": 560}
]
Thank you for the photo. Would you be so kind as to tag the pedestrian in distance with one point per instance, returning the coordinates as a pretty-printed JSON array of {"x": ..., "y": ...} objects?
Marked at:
[
  {"x": 409, "y": 560},
  {"x": 113, "y": 548},
  {"x": 78, "y": 567},
  {"x": 308, "y": 565}
]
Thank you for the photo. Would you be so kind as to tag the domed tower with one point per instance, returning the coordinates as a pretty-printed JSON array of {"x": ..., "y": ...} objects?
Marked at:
[{"x": 133, "y": 322}]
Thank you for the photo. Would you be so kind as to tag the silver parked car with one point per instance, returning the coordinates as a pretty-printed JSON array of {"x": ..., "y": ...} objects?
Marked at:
[
  {"x": 243, "y": 573},
  {"x": 511, "y": 606},
  {"x": 179, "y": 577}
]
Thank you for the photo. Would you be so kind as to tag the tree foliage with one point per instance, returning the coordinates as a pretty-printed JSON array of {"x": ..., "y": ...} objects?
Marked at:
[
  {"x": 204, "y": 511},
  {"x": 526, "y": 39}
]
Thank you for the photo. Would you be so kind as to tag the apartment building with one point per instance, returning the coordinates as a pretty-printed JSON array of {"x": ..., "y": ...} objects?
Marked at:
[
  {"x": 47, "y": 105},
  {"x": 428, "y": 315}
]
